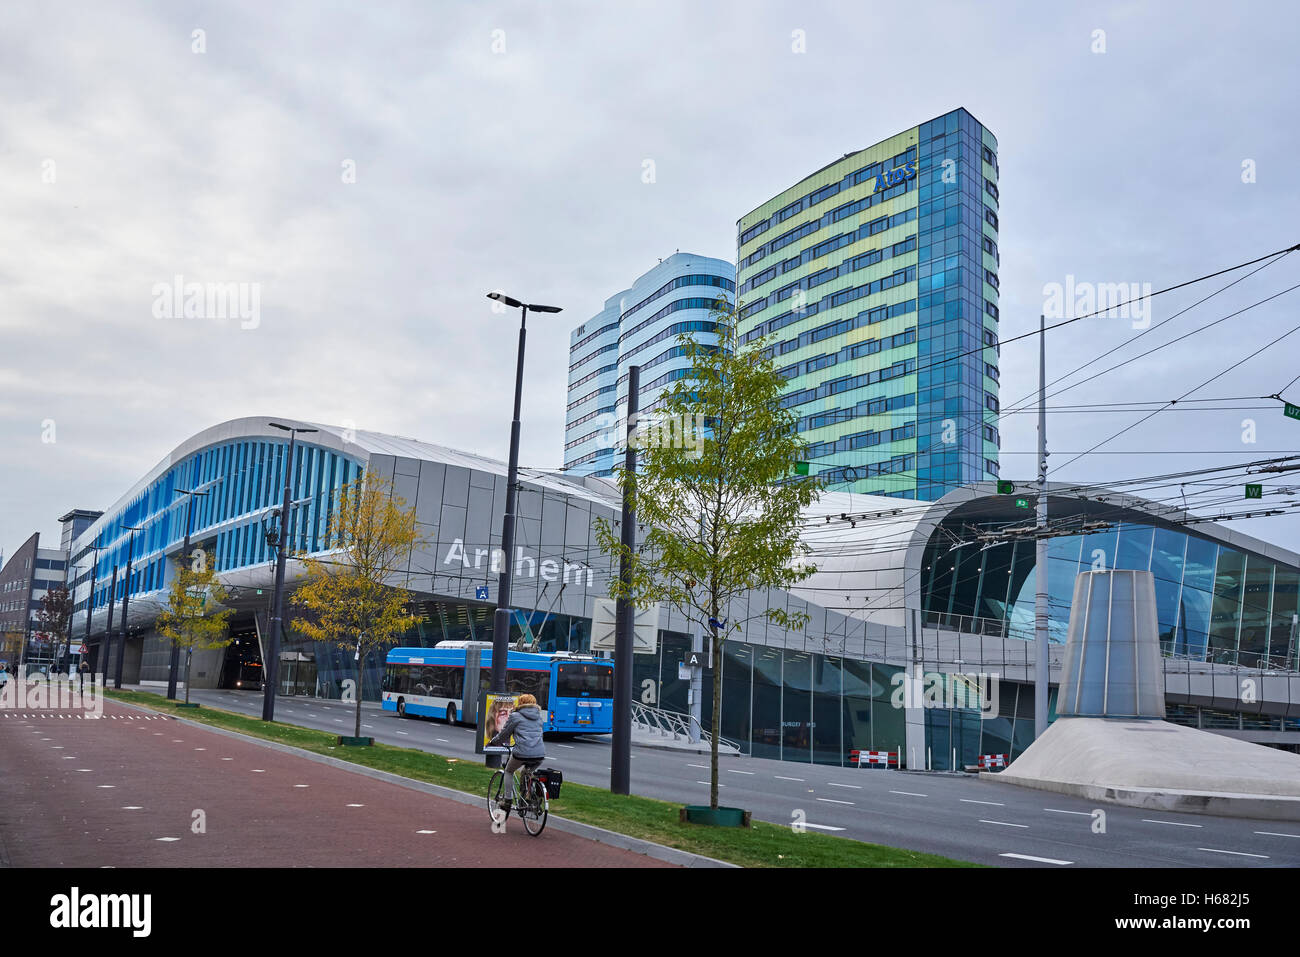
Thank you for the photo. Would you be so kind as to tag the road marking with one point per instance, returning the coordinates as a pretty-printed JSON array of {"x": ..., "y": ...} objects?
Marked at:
[
  {"x": 133, "y": 807},
  {"x": 400, "y": 732},
  {"x": 200, "y": 749},
  {"x": 166, "y": 838},
  {"x": 1053, "y": 810},
  {"x": 1147, "y": 820},
  {"x": 821, "y": 827},
  {"x": 370, "y": 727},
  {"x": 1003, "y": 823},
  {"x": 833, "y": 801},
  {"x": 734, "y": 771},
  {"x": 445, "y": 741},
  {"x": 426, "y": 832},
  {"x": 709, "y": 782},
  {"x": 83, "y": 769},
  {"x": 69, "y": 757},
  {"x": 856, "y": 787},
  {"x": 910, "y": 794},
  {"x": 302, "y": 785},
  {"x": 259, "y": 770},
  {"x": 703, "y": 767},
  {"x": 969, "y": 801},
  {"x": 1215, "y": 850},
  {"x": 105, "y": 785},
  {"x": 57, "y": 747},
  {"x": 354, "y": 805},
  {"x": 569, "y": 746},
  {"x": 782, "y": 777},
  {"x": 1040, "y": 860},
  {"x": 227, "y": 759},
  {"x": 339, "y": 720},
  {"x": 1276, "y": 834}
]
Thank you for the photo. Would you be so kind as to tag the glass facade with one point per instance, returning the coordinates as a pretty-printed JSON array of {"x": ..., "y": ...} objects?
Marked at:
[
  {"x": 865, "y": 276},
  {"x": 1213, "y": 602},
  {"x": 638, "y": 326}
]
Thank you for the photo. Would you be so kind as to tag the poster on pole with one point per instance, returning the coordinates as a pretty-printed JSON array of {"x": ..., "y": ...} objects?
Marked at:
[{"x": 494, "y": 710}]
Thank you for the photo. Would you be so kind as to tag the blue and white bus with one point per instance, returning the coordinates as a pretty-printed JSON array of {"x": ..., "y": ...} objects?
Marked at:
[{"x": 575, "y": 692}]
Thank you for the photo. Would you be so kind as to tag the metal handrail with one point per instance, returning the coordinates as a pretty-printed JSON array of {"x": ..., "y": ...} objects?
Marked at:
[{"x": 674, "y": 723}]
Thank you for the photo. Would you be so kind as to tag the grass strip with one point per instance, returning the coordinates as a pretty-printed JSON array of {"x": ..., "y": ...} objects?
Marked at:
[{"x": 762, "y": 845}]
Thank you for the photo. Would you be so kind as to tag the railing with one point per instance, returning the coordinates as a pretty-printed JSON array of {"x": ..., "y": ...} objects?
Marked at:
[{"x": 674, "y": 724}]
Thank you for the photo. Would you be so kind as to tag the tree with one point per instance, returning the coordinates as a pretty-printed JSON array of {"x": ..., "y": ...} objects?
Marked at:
[
  {"x": 722, "y": 517},
  {"x": 193, "y": 616},
  {"x": 55, "y": 618},
  {"x": 348, "y": 596}
]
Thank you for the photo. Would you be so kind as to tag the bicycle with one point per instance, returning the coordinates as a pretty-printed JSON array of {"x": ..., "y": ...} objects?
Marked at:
[{"x": 530, "y": 800}]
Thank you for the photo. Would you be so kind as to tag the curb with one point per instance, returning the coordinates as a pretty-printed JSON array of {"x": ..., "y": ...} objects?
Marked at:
[{"x": 669, "y": 855}]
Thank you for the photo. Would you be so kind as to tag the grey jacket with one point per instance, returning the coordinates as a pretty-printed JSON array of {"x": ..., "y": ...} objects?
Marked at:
[{"x": 526, "y": 725}]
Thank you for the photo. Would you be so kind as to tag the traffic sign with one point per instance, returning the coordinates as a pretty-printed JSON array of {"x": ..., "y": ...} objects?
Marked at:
[
  {"x": 481, "y": 592},
  {"x": 1254, "y": 491},
  {"x": 1022, "y": 503},
  {"x": 645, "y": 629},
  {"x": 694, "y": 659},
  {"x": 1291, "y": 411},
  {"x": 800, "y": 468}
]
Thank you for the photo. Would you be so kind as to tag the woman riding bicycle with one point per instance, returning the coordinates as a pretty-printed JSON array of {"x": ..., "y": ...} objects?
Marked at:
[{"x": 526, "y": 724}]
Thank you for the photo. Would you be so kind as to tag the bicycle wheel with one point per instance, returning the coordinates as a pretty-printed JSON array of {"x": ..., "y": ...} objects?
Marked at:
[
  {"x": 496, "y": 787},
  {"x": 535, "y": 818}
]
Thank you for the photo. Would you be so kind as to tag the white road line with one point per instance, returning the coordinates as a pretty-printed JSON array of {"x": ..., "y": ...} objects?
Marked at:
[
  {"x": 167, "y": 839},
  {"x": 822, "y": 827},
  {"x": 227, "y": 759},
  {"x": 1003, "y": 823},
  {"x": 302, "y": 785},
  {"x": 833, "y": 801},
  {"x": 259, "y": 770},
  {"x": 1215, "y": 850},
  {"x": 403, "y": 732},
  {"x": 105, "y": 785},
  {"x": 910, "y": 794},
  {"x": 1040, "y": 860},
  {"x": 570, "y": 746},
  {"x": 426, "y": 832},
  {"x": 133, "y": 807},
  {"x": 1147, "y": 820},
  {"x": 702, "y": 767},
  {"x": 856, "y": 787},
  {"x": 782, "y": 777},
  {"x": 445, "y": 741},
  {"x": 1276, "y": 834},
  {"x": 969, "y": 801},
  {"x": 706, "y": 782},
  {"x": 734, "y": 771},
  {"x": 354, "y": 805},
  {"x": 1053, "y": 810}
]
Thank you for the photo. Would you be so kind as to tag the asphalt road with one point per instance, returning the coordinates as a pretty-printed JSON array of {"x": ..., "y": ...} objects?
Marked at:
[{"x": 956, "y": 815}]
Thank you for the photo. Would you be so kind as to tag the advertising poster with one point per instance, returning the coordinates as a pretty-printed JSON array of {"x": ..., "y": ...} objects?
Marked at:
[{"x": 493, "y": 713}]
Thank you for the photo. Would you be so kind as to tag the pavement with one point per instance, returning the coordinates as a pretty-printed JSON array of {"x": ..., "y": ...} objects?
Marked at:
[
  {"x": 134, "y": 789},
  {"x": 957, "y": 815}
]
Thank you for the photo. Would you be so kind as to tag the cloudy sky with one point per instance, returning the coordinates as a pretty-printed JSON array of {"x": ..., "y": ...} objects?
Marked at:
[{"x": 374, "y": 169}]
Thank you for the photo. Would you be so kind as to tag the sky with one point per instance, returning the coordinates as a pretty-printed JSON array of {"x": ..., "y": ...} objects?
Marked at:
[{"x": 369, "y": 172}]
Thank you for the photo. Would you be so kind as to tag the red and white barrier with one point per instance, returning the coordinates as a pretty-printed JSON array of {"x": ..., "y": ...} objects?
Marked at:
[
  {"x": 874, "y": 759},
  {"x": 990, "y": 761}
]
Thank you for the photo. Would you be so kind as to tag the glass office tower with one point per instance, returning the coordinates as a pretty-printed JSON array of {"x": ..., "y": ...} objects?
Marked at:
[
  {"x": 638, "y": 326},
  {"x": 874, "y": 282}
]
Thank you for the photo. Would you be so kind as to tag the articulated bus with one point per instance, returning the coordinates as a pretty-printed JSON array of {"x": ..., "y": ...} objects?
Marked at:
[{"x": 575, "y": 692}]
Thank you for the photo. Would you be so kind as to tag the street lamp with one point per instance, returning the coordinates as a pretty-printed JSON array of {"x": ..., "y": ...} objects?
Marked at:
[
  {"x": 126, "y": 601},
  {"x": 90, "y": 602},
  {"x": 185, "y": 553},
  {"x": 501, "y": 618},
  {"x": 271, "y": 667}
]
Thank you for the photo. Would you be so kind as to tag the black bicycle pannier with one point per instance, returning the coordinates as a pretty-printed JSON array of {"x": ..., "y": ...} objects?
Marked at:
[{"x": 552, "y": 779}]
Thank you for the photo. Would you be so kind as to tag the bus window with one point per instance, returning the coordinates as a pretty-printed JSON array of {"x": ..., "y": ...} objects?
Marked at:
[{"x": 576, "y": 679}]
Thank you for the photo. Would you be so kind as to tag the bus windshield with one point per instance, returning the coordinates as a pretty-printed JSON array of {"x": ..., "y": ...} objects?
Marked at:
[{"x": 575, "y": 680}]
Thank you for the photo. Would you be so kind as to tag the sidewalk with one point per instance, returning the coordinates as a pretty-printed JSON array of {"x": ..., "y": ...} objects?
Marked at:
[{"x": 138, "y": 789}]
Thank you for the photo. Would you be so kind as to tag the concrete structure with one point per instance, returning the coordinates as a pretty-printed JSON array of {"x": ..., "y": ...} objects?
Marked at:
[
  {"x": 1109, "y": 742},
  {"x": 907, "y": 594},
  {"x": 638, "y": 326},
  {"x": 872, "y": 279}
]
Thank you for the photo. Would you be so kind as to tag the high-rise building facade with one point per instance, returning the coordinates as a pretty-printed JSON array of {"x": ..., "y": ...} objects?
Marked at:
[
  {"x": 876, "y": 279},
  {"x": 638, "y": 326}
]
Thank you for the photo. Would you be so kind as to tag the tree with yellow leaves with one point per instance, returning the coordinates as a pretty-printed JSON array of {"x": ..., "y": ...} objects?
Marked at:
[
  {"x": 349, "y": 596},
  {"x": 193, "y": 616}
]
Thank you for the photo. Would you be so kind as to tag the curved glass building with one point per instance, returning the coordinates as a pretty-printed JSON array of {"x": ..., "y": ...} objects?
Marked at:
[{"x": 638, "y": 326}]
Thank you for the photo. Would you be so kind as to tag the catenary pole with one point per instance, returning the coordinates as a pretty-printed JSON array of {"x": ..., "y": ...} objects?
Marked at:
[
  {"x": 1040, "y": 546},
  {"x": 620, "y": 770}
]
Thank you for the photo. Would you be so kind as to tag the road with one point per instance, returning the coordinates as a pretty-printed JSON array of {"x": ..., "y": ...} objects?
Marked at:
[
  {"x": 956, "y": 815},
  {"x": 131, "y": 789}
]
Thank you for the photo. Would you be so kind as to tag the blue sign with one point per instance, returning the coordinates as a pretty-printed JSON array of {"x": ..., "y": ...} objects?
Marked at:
[
  {"x": 480, "y": 592},
  {"x": 895, "y": 176}
]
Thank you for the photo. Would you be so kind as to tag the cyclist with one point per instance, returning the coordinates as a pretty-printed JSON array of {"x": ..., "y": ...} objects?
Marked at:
[{"x": 526, "y": 724}]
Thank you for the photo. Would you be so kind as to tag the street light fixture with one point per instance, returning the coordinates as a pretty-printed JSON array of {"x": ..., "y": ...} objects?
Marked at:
[
  {"x": 501, "y": 618},
  {"x": 126, "y": 602},
  {"x": 175, "y": 663},
  {"x": 271, "y": 668}
]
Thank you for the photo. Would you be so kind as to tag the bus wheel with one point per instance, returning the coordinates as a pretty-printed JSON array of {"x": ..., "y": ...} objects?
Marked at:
[
  {"x": 451, "y": 714},
  {"x": 401, "y": 707}
]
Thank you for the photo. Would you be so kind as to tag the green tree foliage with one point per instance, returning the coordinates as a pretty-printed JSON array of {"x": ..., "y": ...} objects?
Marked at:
[
  {"x": 721, "y": 517},
  {"x": 349, "y": 596},
  {"x": 55, "y": 619},
  {"x": 193, "y": 616}
]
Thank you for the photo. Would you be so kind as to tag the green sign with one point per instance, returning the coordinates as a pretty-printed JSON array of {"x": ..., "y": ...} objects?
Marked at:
[
  {"x": 1006, "y": 488},
  {"x": 1254, "y": 491},
  {"x": 1291, "y": 411},
  {"x": 1022, "y": 503},
  {"x": 800, "y": 468}
]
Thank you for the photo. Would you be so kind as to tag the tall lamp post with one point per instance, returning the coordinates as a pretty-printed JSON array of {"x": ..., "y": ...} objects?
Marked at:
[
  {"x": 90, "y": 601},
  {"x": 126, "y": 602},
  {"x": 501, "y": 618},
  {"x": 271, "y": 667},
  {"x": 185, "y": 554}
]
